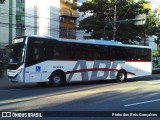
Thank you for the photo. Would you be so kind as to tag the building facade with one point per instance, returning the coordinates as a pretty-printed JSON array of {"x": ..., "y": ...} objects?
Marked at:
[
  {"x": 36, "y": 17},
  {"x": 42, "y": 18},
  {"x": 7, "y": 22}
]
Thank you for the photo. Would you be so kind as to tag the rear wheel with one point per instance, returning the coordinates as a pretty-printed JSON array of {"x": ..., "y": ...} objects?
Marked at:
[
  {"x": 57, "y": 79},
  {"x": 121, "y": 76}
]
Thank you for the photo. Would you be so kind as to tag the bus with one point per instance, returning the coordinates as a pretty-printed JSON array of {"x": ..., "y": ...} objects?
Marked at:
[{"x": 44, "y": 59}]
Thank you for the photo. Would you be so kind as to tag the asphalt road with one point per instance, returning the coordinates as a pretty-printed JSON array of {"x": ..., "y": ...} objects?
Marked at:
[{"x": 136, "y": 96}]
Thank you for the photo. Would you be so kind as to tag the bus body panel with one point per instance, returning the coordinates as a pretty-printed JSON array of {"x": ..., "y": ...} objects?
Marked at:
[
  {"x": 137, "y": 68},
  {"x": 41, "y": 72},
  {"x": 100, "y": 60},
  {"x": 86, "y": 70}
]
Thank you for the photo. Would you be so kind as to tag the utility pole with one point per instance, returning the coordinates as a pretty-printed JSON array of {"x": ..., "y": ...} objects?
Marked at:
[{"x": 115, "y": 19}]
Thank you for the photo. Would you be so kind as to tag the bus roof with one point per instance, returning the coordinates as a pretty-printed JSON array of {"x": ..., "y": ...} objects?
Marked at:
[{"x": 91, "y": 41}]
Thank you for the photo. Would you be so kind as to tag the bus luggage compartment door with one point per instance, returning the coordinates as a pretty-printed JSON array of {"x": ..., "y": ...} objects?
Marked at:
[{"x": 35, "y": 77}]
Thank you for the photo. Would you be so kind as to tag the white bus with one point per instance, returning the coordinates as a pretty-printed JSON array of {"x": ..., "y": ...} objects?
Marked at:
[{"x": 57, "y": 61}]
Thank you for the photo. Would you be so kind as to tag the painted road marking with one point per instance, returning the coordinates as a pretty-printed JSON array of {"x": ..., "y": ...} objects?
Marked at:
[{"x": 140, "y": 103}]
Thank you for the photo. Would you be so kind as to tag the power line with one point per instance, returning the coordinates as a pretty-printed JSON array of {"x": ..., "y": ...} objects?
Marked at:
[
  {"x": 7, "y": 24},
  {"x": 25, "y": 9},
  {"x": 31, "y": 16}
]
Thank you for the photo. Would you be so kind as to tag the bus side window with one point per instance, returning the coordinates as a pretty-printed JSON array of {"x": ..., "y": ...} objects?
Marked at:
[
  {"x": 56, "y": 53},
  {"x": 38, "y": 53},
  {"x": 147, "y": 54},
  {"x": 112, "y": 53},
  {"x": 70, "y": 52},
  {"x": 36, "y": 56},
  {"x": 119, "y": 53},
  {"x": 49, "y": 49},
  {"x": 59, "y": 51}
]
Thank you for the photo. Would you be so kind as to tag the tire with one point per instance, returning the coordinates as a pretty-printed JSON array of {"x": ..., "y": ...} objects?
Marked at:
[
  {"x": 56, "y": 80},
  {"x": 121, "y": 76}
]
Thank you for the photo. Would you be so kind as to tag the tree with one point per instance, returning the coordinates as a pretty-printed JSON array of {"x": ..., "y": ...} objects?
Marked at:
[
  {"x": 102, "y": 12},
  {"x": 2, "y": 1},
  {"x": 152, "y": 25}
]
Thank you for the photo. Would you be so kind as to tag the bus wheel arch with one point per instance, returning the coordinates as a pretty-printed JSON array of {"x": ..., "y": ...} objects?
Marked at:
[
  {"x": 57, "y": 78},
  {"x": 121, "y": 76}
]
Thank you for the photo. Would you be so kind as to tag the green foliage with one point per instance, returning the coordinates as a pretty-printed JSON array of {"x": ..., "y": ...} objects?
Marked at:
[
  {"x": 2, "y": 1},
  {"x": 102, "y": 12}
]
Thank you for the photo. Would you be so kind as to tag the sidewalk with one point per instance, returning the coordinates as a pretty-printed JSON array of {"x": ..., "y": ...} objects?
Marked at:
[
  {"x": 6, "y": 84},
  {"x": 3, "y": 79}
]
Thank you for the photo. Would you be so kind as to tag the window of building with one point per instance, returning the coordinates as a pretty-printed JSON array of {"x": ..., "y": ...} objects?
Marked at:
[
  {"x": 69, "y": 1},
  {"x": 20, "y": 1},
  {"x": 22, "y": 18},
  {"x": 61, "y": 18},
  {"x": 19, "y": 9},
  {"x": 63, "y": 31},
  {"x": 71, "y": 32},
  {"x": 67, "y": 32},
  {"x": 72, "y": 21}
]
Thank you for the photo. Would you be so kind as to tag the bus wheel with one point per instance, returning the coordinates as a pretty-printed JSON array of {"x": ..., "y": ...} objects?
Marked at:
[
  {"x": 56, "y": 79},
  {"x": 121, "y": 76}
]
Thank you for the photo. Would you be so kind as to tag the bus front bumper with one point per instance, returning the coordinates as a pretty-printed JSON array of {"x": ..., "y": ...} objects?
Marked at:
[{"x": 13, "y": 75}]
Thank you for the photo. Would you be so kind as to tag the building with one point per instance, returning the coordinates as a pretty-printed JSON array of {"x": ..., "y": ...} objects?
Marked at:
[
  {"x": 42, "y": 17},
  {"x": 12, "y": 20},
  {"x": 50, "y": 17}
]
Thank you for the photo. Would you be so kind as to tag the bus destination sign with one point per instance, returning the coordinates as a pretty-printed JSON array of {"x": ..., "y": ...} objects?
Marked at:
[{"x": 18, "y": 40}]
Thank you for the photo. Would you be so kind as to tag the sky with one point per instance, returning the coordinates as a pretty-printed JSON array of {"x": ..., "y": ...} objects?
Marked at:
[{"x": 155, "y": 3}]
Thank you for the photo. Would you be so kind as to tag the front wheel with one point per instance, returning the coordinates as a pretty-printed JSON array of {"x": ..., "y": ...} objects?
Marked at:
[
  {"x": 56, "y": 79},
  {"x": 121, "y": 76}
]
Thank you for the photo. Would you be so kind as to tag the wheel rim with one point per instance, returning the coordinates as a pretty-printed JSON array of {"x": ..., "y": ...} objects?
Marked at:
[
  {"x": 121, "y": 76},
  {"x": 56, "y": 79}
]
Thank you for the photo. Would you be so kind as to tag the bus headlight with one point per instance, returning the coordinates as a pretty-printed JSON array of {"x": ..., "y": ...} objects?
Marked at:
[
  {"x": 13, "y": 73},
  {"x": 19, "y": 71}
]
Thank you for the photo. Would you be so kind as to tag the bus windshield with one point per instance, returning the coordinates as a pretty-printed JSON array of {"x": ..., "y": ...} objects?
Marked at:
[{"x": 17, "y": 53}]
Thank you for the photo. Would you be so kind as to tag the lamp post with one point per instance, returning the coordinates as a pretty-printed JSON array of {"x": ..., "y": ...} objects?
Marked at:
[
  {"x": 104, "y": 31},
  {"x": 115, "y": 19}
]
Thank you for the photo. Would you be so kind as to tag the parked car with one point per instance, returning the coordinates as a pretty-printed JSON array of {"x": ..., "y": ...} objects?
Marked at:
[{"x": 156, "y": 69}]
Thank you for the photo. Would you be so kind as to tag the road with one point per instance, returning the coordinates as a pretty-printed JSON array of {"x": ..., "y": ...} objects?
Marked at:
[{"x": 140, "y": 94}]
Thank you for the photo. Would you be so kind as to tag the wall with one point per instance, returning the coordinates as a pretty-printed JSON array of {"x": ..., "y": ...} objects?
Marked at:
[
  {"x": 4, "y": 19},
  {"x": 30, "y": 16},
  {"x": 44, "y": 17}
]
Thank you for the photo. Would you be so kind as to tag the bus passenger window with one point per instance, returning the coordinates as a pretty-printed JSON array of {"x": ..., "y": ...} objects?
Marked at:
[
  {"x": 56, "y": 53},
  {"x": 112, "y": 53},
  {"x": 36, "y": 54}
]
